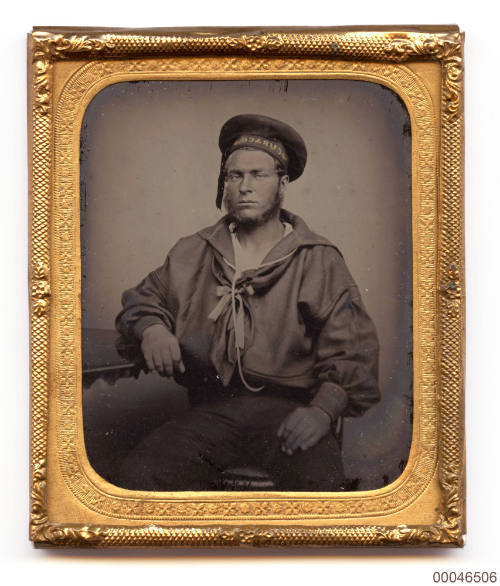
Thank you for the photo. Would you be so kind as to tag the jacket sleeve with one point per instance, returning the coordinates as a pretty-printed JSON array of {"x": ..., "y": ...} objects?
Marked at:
[
  {"x": 146, "y": 305},
  {"x": 346, "y": 344}
]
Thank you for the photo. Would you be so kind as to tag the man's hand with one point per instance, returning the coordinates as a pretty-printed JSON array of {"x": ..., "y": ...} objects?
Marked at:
[
  {"x": 303, "y": 428},
  {"x": 161, "y": 351}
]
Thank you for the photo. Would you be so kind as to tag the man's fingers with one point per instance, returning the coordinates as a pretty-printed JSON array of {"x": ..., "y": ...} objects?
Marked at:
[
  {"x": 286, "y": 449},
  {"x": 289, "y": 424},
  {"x": 305, "y": 445},
  {"x": 306, "y": 435},
  {"x": 302, "y": 429},
  {"x": 281, "y": 427},
  {"x": 176, "y": 358},
  {"x": 175, "y": 351},
  {"x": 294, "y": 426},
  {"x": 149, "y": 360},
  {"x": 297, "y": 435},
  {"x": 292, "y": 441},
  {"x": 302, "y": 442},
  {"x": 151, "y": 357},
  {"x": 158, "y": 361},
  {"x": 309, "y": 443},
  {"x": 168, "y": 368}
]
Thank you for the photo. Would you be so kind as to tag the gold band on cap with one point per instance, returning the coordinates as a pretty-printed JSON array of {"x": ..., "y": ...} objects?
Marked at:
[{"x": 273, "y": 147}]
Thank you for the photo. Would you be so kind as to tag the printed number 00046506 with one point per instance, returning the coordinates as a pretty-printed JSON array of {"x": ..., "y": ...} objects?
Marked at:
[{"x": 464, "y": 577}]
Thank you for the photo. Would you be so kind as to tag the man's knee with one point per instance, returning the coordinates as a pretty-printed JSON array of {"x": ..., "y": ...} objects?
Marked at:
[
  {"x": 173, "y": 457},
  {"x": 167, "y": 471}
]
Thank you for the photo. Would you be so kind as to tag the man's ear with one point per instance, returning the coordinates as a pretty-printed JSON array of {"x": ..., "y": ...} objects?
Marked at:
[{"x": 284, "y": 181}]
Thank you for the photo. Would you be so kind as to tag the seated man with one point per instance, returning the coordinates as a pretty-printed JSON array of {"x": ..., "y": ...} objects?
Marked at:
[{"x": 259, "y": 318}]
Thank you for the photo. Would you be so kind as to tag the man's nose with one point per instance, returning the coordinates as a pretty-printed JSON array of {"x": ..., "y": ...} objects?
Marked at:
[{"x": 246, "y": 183}]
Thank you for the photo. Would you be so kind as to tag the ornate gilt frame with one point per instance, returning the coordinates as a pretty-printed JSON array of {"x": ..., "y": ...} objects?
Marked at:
[{"x": 70, "y": 504}]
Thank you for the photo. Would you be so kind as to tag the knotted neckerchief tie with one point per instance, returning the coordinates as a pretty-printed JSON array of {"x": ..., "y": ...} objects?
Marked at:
[
  {"x": 226, "y": 297},
  {"x": 233, "y": 296}
]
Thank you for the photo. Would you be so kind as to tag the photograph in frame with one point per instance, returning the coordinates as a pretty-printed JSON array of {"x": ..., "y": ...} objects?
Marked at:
[
  {"x": 145, "y": 149},
  {"x": 371, "y": 201}
]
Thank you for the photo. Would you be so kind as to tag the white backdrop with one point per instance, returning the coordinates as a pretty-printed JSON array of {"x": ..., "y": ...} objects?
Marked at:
[{"x": 19, "y": 561}]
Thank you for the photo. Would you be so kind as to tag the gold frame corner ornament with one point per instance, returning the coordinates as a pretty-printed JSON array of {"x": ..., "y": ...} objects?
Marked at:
[
  {"x": 42, "y": 532},
  {"x": 381, "y": 47}
]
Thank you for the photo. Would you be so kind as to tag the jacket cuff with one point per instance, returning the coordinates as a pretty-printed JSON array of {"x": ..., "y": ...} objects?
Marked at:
[
  {"x": 331, "y": 399},
  {"x": 143, "y": 323}
]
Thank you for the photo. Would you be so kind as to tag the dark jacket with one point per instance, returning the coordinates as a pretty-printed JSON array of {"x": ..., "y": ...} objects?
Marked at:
[{"x": 305, "y": 326}]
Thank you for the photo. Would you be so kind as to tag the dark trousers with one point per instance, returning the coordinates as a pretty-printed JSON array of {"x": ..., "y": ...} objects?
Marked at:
[{"x": 192, "y": 452}]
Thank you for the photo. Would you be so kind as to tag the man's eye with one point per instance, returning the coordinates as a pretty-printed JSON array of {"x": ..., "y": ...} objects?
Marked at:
[{"x": 233, "y": 176}]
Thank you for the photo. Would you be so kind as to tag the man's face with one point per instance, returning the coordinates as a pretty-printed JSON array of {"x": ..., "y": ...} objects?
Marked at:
[{"x": 253, "y": 189}]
